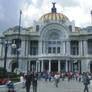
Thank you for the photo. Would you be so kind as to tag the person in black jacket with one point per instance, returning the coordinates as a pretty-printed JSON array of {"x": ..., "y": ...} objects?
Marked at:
[
  {"x": 86, "y": 82},
  {"x": 34, "y": 83},
  {"x": 28, "y": 81}
]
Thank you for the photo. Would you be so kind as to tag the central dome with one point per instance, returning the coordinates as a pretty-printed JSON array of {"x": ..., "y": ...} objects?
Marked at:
[{"x": 53, "y": 16}]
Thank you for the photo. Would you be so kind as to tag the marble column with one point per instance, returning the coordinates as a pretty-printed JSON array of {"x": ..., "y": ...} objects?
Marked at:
[
  {"x": 68, "y": 47},
  {"x": 49, "y": 65},
  {"x": 40, "y": 48},
  {"x": 2, "y": 50},
  {"x": 66, "y": 66},
  {"x": 80, "y": 48},
  {"x": 64, "y": 48},
  {"x": 22, "y": 48},
  {"x": 28, "y": 47},
  {"x": 9, "y": 48},
  {"x": 42, "y": 66},
  {"x": 27, "y": 53},
  {"x": 44, "y": 48},
  {"x": 85, "y": 47},
  {"x": 29, "y": 65},
  {"x": 36, "y": 66},
  {"x": 59, "y": 68}
]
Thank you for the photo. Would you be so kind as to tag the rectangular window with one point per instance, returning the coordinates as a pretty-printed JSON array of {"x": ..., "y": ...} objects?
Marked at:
[
  {"x": 54, "y": 49},
  {"x": 37, "y": 28},
  {"x": 90, "y": 46},
  {"x": 49, "y": 49},
  {"x": 74, "y": 48},
  {"x": 70, "y": 28},
  {"x": 34, "y": 47},
  {"x": 49, "y": 42},
  {"x": 58, "y": 49},
  {"x": 58, "y": 42}
]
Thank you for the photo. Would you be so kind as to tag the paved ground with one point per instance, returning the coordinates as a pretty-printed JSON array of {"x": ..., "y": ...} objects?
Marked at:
[{"x": 64, "y": 86}]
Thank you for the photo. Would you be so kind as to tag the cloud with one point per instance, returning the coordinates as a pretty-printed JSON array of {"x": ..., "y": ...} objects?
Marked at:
[
  {"x": 68, "y": 3},
  {"x": 9, "y": 13},
  {"x": 78, "y": 10}
]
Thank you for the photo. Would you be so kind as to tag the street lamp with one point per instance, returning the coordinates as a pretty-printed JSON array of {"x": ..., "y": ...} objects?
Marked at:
[
  {"x": 6, "y": 43},
  {"x": 18, "y": 39},
  {"x": 5, "y": 57},
  {"x": 16, "y": 52}
]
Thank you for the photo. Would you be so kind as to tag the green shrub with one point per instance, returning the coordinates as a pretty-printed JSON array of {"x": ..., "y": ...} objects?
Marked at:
[{"x": 11, "y": 75}]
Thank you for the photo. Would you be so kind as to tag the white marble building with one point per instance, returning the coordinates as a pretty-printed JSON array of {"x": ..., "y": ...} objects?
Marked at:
[{"x": 52, "y": 44}]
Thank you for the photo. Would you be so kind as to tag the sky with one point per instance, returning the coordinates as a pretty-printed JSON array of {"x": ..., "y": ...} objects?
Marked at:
[{"x": 32, "y": 10}]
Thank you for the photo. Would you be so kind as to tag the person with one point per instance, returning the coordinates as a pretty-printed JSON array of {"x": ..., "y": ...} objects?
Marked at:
[
  {"x": 56, "y": 79},
  {"x": 22, "y": 81},
  {"x": 86, "y": 82},
  {"x": 28, "y": 81},
  {"x": 49, "y": 77},
  {"x": 4, "y": 80},
  {"x": 69, "y": 76},
  {"x": 34, "y": 83},
  {"x": 11, "y": 86},
  {"x": 46, "y": 76}
]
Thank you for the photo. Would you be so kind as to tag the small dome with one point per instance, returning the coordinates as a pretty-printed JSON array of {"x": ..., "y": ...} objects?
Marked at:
[{"x": 53, "y": 16}]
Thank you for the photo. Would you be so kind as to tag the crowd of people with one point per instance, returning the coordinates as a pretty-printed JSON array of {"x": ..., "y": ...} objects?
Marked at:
[{"x": 32, "y": 78}]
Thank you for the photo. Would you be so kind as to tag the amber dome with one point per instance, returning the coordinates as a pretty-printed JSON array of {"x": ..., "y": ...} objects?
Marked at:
[{"x": 53, "y": 16}]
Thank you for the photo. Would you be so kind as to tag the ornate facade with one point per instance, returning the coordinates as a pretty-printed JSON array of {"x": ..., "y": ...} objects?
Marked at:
[{"x": 52, "y": 44}]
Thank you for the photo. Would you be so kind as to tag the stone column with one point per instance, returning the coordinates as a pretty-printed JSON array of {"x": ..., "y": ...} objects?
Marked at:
[
  {"x": 68, "y": 47},
  {"x": 40, "y": 48},
  {"x": 29, "y": 65},
  {"x": 85, "y": 47},
  {"x": 44, "y": 48},
  {"x": 64, "y": 48},
  {"x": 59, "y": 68},
  {"x": 9, "y": 48},
  {"x": 27, "y": 47},
  {"x": 36, "y": 66},
  {"x": 42, "y": 66},
  {"x": 39, "y": 66},
  {"x": 22, "y": 48},
  {"x": 2, "y": 50},
  {"x": 80, "y": 48},
  {"x": 66, "y": 66},
  {"x": 49, "y": 65}
]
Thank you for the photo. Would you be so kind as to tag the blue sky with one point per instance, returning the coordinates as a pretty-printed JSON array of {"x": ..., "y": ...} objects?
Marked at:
[{"x": 78, "y": 10}]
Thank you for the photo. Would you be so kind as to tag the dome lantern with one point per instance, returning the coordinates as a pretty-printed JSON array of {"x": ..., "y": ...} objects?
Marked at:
[{"x": 53, "y": 9}]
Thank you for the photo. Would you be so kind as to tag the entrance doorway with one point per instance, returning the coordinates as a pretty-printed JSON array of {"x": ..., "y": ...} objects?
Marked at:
[
  {"x": 46, "y": 67},
  {"x": 33, "y": 66},
  {"x": 62, "y": 64},
  {"x": 14, "y": 66},
  {"x": 91, "y": 67},
  {"x": 54, "y": 65}
]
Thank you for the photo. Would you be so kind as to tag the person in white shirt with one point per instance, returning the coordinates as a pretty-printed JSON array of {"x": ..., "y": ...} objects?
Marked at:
[{"x": 22, "y": 81}]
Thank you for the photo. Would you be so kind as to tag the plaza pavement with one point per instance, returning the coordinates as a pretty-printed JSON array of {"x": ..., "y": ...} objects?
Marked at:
[{"x": 64, "y": 86}]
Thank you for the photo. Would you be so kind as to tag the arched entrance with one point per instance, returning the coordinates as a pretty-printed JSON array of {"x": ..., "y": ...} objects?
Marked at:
[
  {"x": 14, "y": 66},
  {"x": 54, "y": 65},
  {"x": 91, "y": 67}
]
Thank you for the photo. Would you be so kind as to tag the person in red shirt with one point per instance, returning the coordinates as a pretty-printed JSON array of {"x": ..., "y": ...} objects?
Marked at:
[
  {"x": 4, "y": 80},
  {"x": 69, "y": 76}
]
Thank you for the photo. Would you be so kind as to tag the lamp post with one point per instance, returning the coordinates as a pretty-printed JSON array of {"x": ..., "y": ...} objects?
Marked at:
[
  {"x": 18, "y": 39},
  {"x": 6, "y": 43},
  {"x": 5, "y": 57}
]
